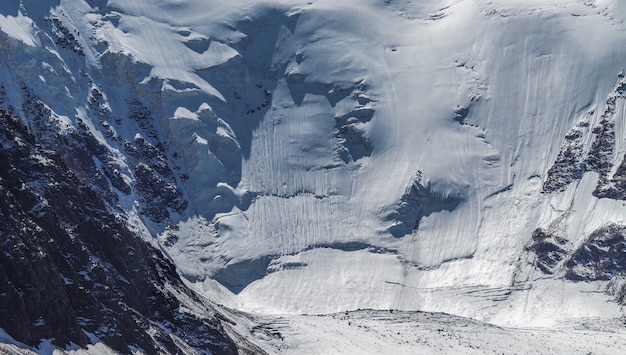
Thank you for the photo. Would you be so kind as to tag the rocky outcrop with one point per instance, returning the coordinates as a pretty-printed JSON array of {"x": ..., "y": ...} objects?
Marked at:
[
  {"x": 575, "y": 158},
  {"x": 96, "y": 164},
  {"x": 63, "y": 37},
  {"x": 154, "y": 181},
  {"x": 71, "y": 271},
  {"x": 569, "y": 165},
  {"x": 549, "y": 249},
  {"x": 53, "y": 133},
  {"x": 601, "y": 257}
]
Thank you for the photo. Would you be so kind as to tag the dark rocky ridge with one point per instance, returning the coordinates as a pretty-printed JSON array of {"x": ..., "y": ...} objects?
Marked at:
[
  {"x": 601, "y": 257},
  {"x": 574, "y": 159},
  {"x": 155, "y": 182},
  {"x": 549, "y": 249},
  {"x": 70, "y": 268},
  {"x": 569, "y": 166}
]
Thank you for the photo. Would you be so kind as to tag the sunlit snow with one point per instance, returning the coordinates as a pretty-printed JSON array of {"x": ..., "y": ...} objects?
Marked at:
[{"x": 307, "y": 131}]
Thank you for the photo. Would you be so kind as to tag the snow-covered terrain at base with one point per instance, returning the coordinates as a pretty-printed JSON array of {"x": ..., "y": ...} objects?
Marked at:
[
  {"x": 312, "y": 157},
  {"x": 394, "y": 332},
  {"x": 397, "y": 332}
]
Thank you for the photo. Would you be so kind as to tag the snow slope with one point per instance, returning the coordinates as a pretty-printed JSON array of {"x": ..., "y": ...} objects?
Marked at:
[
  {"x": 470, "y": 102},
  {"x": 367, "y": 154}
]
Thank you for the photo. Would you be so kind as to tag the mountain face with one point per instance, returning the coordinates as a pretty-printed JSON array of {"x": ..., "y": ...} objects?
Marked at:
[
  {"x": 289, "y": 157},
  {"x": 72, "y": 271}
]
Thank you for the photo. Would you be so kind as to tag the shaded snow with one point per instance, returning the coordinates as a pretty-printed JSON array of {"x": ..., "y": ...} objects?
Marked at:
[{"x": 300, "y": 127}]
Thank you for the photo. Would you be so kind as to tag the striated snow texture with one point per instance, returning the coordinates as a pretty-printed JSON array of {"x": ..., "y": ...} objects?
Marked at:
[{"x": 311, "y": 157}]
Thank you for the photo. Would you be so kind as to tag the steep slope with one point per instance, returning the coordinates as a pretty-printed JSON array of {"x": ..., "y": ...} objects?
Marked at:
[
  {"x": 314, "y": 157},
  {"x": 408, "y": 166},
  {"x": 72, "y": 273}
]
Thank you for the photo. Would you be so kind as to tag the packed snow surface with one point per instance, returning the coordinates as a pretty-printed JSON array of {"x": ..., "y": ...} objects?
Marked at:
[{"x": 394, "y": 332}]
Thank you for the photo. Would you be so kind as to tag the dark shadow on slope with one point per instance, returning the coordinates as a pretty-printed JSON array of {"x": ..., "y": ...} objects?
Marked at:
[
  {"x": 352, "y": 139},
  {"x": 248, "y": 80},
  {"x": 420, "y": 201},
  {"x": 299, "y": 86},
  {"x": 35, "y": 9},
  {"x": 9, "y": 7},
  {"x": 198, "y": 45},
  {"x": 238, "y": 276}
]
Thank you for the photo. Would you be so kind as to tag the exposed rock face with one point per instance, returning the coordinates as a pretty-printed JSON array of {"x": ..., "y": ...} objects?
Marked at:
[
  {"x": 574, "y": 158},
  {"x": 549, "y": 250},
  {"x": 63, "y": 37},
  {"x": 589, "y": 148},
  {"x": 155, "y": 181},
  {"x": 601, "y": 257},
  {"x": 569, "y": 166},
  {"x": 70, "y": 270}
]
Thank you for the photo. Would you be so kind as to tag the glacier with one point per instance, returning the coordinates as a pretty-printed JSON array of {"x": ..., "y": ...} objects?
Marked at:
[{"x": 315, "y": 157}]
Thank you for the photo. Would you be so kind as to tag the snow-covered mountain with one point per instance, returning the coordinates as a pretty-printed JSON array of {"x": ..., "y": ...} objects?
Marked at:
[{"x": 313, "y": 157}]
